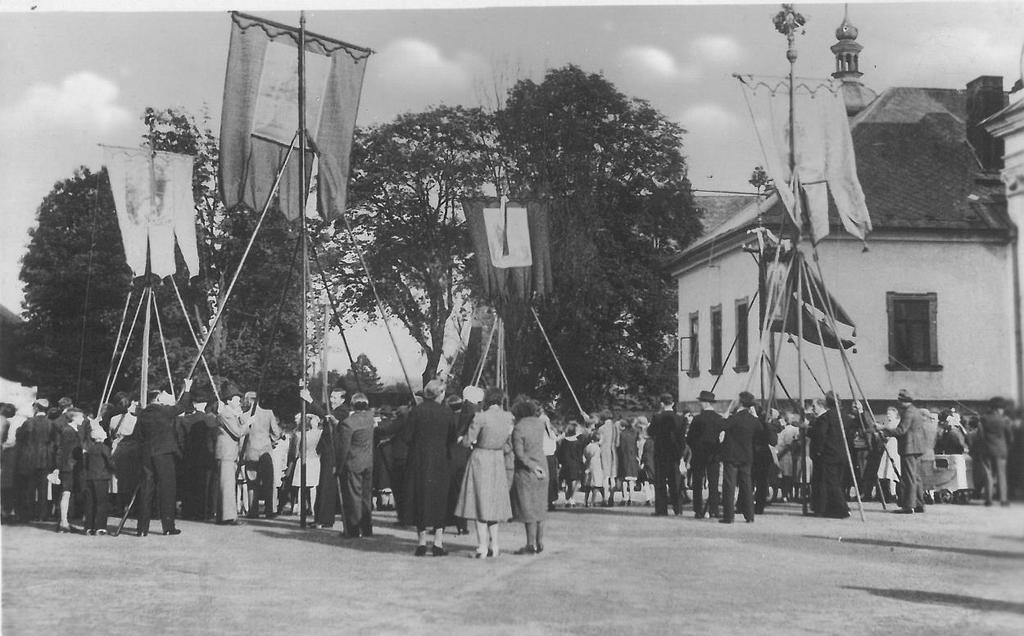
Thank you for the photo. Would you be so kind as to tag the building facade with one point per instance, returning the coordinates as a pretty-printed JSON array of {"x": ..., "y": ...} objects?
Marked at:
[{"x": 935, "y": 299}]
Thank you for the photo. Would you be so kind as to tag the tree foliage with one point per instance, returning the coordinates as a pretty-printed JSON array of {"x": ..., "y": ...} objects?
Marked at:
[
  {"x": 409, "y": 178},
  {"x": 613, "y": 171}
]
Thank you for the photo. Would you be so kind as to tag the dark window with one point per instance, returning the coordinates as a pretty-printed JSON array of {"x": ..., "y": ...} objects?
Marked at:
[
  {"x": 742, "y": 362},
  {"x": 912, "y": 332},
  {"x": 694, "y": 360},
  {"x": 716, "y": 339}
]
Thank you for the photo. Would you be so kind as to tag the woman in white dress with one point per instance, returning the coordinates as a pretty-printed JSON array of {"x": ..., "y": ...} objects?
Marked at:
[{"x": 313, "y": 431}]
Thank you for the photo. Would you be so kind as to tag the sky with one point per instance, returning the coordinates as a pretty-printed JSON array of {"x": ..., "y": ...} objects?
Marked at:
[{"x": 77, "y": 75}]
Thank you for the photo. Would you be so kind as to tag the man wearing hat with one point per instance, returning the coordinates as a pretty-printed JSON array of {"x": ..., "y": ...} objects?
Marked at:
[
  {"x": 355, "y": 467},
  {"x": 160, "y": 434},
  {"x": 829, "y": 455},
  {"x": 994, "y": 433},
  {"x": 702, "y": 438},
  {"x": 913, "y": 442},
  {"x": 231, "y": 429},
  {"x": 737, "y": 457}
]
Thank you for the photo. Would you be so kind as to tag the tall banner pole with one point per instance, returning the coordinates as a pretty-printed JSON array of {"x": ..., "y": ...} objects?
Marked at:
[
  {"x": 305, "y": 254},
  {"x": 144, "y": 369}
]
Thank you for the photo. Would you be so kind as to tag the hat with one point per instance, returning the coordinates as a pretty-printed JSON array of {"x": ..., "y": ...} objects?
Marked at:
[
  {"x": 473, "y": 394},
  {"x": 433, "y": 389},
  {"x": 340, "y": 389},
  {"x": 454, "y": 400},
  {"x": 42, "y": 403},
  {"x": 905, "y": 396},
  {"x": 706, "y": 396},
  {"x": 747, "y": 399},
  {"x": 997, "y": 403},
  {"x": 65, "y": 402}
]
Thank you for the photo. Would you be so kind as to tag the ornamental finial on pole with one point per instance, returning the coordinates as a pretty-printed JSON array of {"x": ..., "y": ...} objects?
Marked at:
[{"x": 787, "y": 21}]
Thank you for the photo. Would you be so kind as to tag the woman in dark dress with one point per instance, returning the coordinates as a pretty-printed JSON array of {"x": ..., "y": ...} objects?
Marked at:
[
  {"x": 570, "y": 458},
  {"x": 427, "y": 485},
  {"x": 629, "y": 461}
]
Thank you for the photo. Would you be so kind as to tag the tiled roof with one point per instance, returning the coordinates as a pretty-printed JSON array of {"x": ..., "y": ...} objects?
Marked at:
[{"x": 915, "y": 166}]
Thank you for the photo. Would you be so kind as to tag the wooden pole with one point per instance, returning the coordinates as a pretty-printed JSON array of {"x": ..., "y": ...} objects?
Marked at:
[
  {"x": 144, "y": 369},
  {"x": 305, "y": 258}
]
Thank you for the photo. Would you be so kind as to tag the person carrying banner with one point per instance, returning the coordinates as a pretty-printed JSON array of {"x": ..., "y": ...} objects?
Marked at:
[{"x": 160, "y": 435}]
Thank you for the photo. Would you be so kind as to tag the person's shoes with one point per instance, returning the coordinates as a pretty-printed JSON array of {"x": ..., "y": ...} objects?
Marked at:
[
  {"x": 142, "y": 533},
  {"x": 479, "y": 554},
  {"x": 271, "y": 515},
  {"x": 714, "y": 514},
  {"x": 491, "y": 552},
  {"x": 903, "y": 511},
  {"x": 723, "y": 520},
  {"x": 64, "y": 529},
  {"x": 252, "y": 515},
  {"x": 750, "y": 520},
  {"x": 526, "y": 549},
  {"x": 172, "y": 532},
  {"x": 659, "y": 514},
  {"x": 229, "y": 522},
  {"x": 438, "y": 551},
  {"x": 463, "y": 531},
  {"x": 101, "y": 531},
  {"x": 839, "y": 515},
  {"x": 421, "y": 550},
  {"x": 988, "y": 503},
  {"x": 1004, "y": 504},
  {"x": 91, "y": 533},
  {"x": 540, "y": 548},
  {"x": 919, "y": 510}
]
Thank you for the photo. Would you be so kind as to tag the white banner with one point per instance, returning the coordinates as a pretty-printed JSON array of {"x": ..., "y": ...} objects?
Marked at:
[{"x": 515, "y": 234}]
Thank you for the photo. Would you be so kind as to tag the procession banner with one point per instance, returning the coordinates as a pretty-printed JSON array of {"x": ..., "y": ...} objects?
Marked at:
[
  {"x": 822, "y": 151},
  {"x": 261, "y": 115},
  {"x": 155, "y": 208},
  {"x": 511, "y": 240}
]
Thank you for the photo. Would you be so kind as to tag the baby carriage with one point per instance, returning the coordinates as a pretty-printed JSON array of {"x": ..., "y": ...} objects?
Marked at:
[{"x": 952, "y": 478}]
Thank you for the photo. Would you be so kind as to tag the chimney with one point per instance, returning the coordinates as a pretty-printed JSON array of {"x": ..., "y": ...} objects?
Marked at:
[{"x": 985, "y": 97}]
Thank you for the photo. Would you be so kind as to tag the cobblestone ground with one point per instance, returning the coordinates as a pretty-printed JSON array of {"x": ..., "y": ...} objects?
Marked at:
[{"x": 955, "y": 569}]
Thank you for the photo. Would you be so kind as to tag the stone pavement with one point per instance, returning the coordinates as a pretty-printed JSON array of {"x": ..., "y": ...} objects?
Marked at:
[{"x": 954, "y": 570}]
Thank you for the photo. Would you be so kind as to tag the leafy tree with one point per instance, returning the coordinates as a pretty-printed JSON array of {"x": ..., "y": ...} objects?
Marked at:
[
  {"x": 74, "y": 254},
  {"x": 408, "y": 181},
  {"x": 75, "y": 267},
  {"x": 364, "y": 377},
  {"x": 614, "y": 173}
]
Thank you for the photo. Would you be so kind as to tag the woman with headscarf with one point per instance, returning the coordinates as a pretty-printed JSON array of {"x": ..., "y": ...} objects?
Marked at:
[
  {"x": 530, "y": 483},
  {"x": 484, "y": 496}
]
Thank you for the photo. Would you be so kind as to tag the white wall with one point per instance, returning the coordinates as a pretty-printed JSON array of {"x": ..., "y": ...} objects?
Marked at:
[{"x": 974, "y": 287}]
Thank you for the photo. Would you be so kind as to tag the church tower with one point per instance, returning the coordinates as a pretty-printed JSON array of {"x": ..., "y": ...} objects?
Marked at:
[{"x": 847, "y": 51}]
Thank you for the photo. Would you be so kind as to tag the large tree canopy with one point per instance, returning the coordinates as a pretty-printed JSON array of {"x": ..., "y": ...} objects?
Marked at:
[
  {"x": 409, "y": 178},
  {"x": 613, "y": 171}
]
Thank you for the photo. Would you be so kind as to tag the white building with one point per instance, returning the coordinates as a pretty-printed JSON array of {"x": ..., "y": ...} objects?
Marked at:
[{"x": 936, "y": 300}]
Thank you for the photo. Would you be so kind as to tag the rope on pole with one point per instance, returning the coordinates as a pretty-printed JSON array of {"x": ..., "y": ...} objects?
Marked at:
[
  {"x": 245, "y": 255},
  {"x": 117, "y": 345},
  {"x": 483, "y": 359},
  {"x": 113, "y": 379},
  {"x": 558, "y": 362},
  {"x": 195, "y": 338},
  {"x": 163, "y": 346}
]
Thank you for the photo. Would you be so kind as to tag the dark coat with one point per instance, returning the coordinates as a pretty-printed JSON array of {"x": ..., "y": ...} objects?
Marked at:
[
  {"x": 158, "y": 430},
  {"x": 995, "y": 433},
  {"x": 826, "y": 439},
  {"x": 431, "y": 433},
  {"x": 740, "y": 429},
  {"x": 570, "y": 458},
  {"x": 69, "y": 446},
  {"x": 201, "y": 431},
  {"x": 664, "y": 430},
  {"x": 98, "y": 463},
  {"x": 36, "y": 444},
  {"x": 629, "y": 462},
  {"x": 703, "y": 434}
]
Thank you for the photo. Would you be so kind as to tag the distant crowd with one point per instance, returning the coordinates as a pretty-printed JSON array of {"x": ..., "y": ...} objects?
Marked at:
[{"x": 452, "y": 458}]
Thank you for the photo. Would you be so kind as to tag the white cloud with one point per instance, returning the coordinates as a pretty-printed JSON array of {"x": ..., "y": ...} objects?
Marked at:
[
  {"x": 81, "y": 101},
  {"x": 419, "y": 70},
  {"x": 655, "y": 64},
  {"x": 718, "y": 49},
  {"x": 702, "y": 118}
]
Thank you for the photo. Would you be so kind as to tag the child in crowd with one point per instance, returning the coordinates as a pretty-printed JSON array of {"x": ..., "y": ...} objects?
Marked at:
[
  {"x": 99, "y": 468},
  {"x": 595, "y": 477}
]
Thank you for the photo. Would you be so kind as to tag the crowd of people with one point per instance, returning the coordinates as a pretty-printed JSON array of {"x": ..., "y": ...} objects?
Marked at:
[{"x": 450, "y": 458}]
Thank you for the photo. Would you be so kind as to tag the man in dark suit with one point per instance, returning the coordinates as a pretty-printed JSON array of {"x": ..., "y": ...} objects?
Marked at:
[
  {"x": 994, "y": 433},
  {"x": 160, "y": 434},
  {"x": 702, "y": 438},
  {"x": 425, "y": 501},
  {"x": 737, "y": 456},
  {"x": 355, "y": 468},
  {"x": 35, "y": 441},
  {"x": 200, "y": 434},
  {"x": 913, "y": 442},
  {"x": 827, "y": 442},
  {"x": 664, "y": 432}
]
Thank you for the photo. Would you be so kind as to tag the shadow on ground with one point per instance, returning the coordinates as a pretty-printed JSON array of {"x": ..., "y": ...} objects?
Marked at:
[
  {"x": 995, "y": 554},
  {"x": 941, "y": 598}
]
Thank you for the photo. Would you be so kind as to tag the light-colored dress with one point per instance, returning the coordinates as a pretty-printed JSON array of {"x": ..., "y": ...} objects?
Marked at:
[
  {"x": 595, "y": 477},
  {"x": 312, "y": 460},
  {"x": 484, "y": 495}
]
